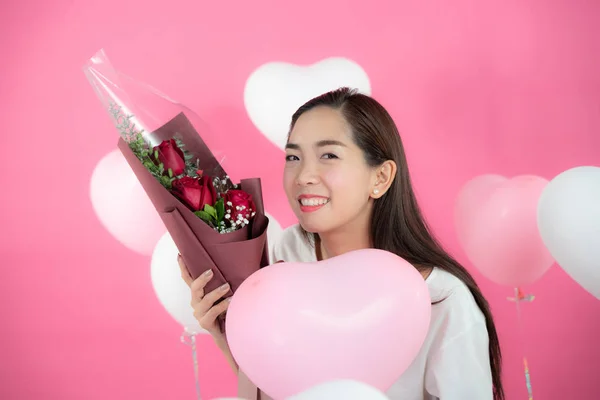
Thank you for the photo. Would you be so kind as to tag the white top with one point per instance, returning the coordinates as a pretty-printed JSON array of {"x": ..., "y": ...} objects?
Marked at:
[{"x": 454, "y": 362}]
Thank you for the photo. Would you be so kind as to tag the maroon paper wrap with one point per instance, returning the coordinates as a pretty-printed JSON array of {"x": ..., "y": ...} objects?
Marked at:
[{"x": 231, "y": 256}]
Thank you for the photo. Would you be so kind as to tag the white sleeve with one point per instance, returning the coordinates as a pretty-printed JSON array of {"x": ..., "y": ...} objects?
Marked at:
[
  {"x": 278, "y": 245},
  {"x": 273, "y": 243},
  {"x": 290, "y": 246},
  {"x": 460, "y": 368}
]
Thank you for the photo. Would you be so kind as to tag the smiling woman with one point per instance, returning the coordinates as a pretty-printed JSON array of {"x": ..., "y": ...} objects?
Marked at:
[
  {"x": 327, "y": 172},
  {"x": 346, "y": 179}
]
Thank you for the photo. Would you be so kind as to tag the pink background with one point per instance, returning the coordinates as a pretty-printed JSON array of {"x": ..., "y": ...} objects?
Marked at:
[{"x": 507, "y": 87}]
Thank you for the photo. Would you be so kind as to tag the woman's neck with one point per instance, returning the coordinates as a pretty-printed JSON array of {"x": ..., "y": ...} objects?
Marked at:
[
  {"x": 335, "y": 243},
  {"x": 354, "y": 237}
]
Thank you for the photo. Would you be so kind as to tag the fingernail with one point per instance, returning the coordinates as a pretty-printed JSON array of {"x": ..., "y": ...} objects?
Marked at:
[
  {"x": 208, "y": 272},
  {"x": 225, "y": 286}
]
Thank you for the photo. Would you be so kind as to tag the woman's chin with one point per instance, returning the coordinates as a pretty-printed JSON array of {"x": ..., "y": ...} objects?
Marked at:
[
  {"x": 310, "y": 226},
  {"x": 315, "y": 222}
]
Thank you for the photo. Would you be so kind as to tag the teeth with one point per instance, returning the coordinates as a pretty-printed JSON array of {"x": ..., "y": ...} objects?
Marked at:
[{"x": 313, "y": 202}]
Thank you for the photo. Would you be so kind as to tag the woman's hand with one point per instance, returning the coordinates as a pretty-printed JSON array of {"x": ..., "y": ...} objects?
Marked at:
[{"x": 205, "y": 310}]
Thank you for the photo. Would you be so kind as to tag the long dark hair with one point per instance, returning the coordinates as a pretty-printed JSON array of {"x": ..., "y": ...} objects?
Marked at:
[{"x": 397, "y": 224}]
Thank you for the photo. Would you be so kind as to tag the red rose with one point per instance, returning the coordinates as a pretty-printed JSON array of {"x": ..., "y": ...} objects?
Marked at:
[
  {"x": 171, "y": 156},
  {"x": 195, "y": 192},
  {"x": 239, "y": 205}
]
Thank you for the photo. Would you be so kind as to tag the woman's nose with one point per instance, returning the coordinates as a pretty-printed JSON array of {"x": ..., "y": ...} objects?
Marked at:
[{"x": 307, "y": 175}]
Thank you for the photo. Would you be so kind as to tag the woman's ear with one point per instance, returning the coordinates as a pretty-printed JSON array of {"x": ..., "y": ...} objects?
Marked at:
[{"x": 384, "y": 176}]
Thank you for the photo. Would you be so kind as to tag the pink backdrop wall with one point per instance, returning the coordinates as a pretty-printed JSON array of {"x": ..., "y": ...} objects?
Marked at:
[{"x": 505, "y": 87}]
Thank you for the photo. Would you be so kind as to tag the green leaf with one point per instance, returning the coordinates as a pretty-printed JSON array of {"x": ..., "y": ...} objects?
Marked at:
[
  {"x": 210, "y": 210},
  {"x": 156, "y": 154},
  {"x": 220, "y": 207},
  {"x": 204, "y": 216},
  {"x": 170, "y": 173},
  {"x": 166, "y": 181}
]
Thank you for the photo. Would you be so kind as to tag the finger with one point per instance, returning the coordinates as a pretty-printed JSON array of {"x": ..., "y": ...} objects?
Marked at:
[
  {"x": 199, "y": 283},
  {"x": 185, "y": 274},
  {"x": 212, "y": 314},
  {"x": 211, "y": 298}
]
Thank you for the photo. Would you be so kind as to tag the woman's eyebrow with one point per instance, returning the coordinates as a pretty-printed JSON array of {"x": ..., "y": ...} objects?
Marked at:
[
  {"x": 320, "y": 143},
  {"x": 292, "y": 146},
  {"x": 330, "y": 142}
]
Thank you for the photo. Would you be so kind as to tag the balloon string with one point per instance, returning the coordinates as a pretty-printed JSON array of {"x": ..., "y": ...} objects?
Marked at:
[
  {"x": 189, "y": 339},
  {"x": 520, "y": 297}
]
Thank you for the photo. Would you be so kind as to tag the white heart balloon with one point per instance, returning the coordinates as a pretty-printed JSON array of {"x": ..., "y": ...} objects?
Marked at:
[
  {"x": 569, "y": 224},
  {"x": 346, "y": 389},
  {"x": 122, "y": 206},
  {"x": 275, "y": 90}
]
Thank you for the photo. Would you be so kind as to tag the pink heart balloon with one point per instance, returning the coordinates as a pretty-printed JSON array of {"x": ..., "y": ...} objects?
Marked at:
[
  {"x": 473, "y": 194},
  {"x": 496, "y": 223},
  {"x": 363, "y": 315},
  {"x": 122, "y": 206}
]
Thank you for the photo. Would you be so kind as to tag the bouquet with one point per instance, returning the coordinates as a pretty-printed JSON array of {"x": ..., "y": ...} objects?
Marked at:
[
  {"x": 214, "y": 223},
  {"x": 215, "y": 200}
]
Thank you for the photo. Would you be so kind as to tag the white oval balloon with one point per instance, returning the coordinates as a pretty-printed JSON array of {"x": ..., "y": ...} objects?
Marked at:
[
  {"x": 569, "y": 224},
  {"x": 341, "y": 389},
  {"x": 275, "y": 90},
  {"x": 170, "y": 288},
  {"x": 122, "y": 206}
]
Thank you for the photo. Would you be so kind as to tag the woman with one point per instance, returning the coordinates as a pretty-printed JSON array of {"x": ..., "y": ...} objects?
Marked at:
[{"x": 347, "y": 180}]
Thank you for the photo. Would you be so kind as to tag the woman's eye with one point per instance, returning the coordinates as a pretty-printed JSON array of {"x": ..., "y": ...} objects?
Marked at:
[
  {"x": 329, "y": 156},
  {"x": 291, "y": 158}
]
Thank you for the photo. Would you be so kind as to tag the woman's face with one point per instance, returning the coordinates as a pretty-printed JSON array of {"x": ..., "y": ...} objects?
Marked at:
[{"x": 326, "y": 179}]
